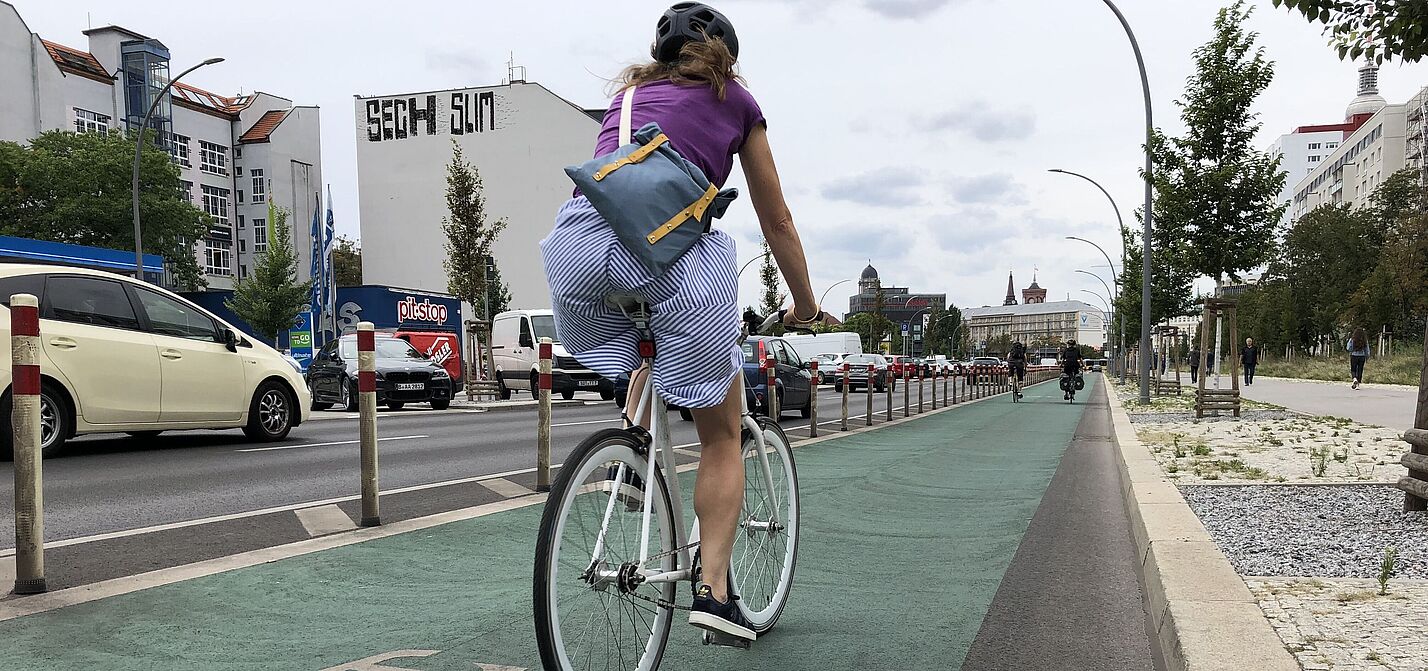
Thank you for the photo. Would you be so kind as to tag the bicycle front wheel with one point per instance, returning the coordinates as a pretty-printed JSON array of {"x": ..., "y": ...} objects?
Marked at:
[
  {"x": 588, "y": 615},
  {"x": 766, "y": 543}
]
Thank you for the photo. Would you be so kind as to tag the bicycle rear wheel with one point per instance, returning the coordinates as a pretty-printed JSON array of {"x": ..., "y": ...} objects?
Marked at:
[
  {"x": 765, "y": 554},
  {"x": 583, "y": 620}
]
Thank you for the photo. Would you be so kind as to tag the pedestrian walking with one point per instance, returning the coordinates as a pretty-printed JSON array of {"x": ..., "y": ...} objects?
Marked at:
[
  {"x": 1249, "y": 358},
  {"x": 1195, "y": 360},
  {"x": 1358, "y": 348}
]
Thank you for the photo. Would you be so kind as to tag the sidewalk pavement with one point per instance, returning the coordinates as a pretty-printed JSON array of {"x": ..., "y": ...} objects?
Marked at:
[
  {"x": 1387, "y": 405},
  {"x": 908, "y": 531}
]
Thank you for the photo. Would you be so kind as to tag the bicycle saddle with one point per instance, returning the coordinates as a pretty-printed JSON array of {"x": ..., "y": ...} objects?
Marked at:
[{"x": 626, "y": 302}]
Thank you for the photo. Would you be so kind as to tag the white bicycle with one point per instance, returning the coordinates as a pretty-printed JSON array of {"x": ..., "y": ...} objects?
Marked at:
[{"x": 613, "y": 543}]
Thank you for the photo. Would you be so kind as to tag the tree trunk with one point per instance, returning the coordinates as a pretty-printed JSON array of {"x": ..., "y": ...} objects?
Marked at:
[{"x": 1219, "y": 323}]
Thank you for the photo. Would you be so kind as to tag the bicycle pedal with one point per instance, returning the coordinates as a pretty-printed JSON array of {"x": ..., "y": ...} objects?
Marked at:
[{"x": 725, "y": 640}]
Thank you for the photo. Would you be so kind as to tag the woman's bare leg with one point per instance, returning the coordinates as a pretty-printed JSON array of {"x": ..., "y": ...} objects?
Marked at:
[{"x": 719, "y": 487}]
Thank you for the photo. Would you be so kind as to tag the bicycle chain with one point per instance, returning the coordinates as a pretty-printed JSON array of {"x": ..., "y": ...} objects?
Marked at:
[{"x": 661, "y": 602}]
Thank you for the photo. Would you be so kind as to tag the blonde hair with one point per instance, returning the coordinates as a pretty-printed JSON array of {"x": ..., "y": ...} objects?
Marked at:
[{"x": 707, "y": 61}]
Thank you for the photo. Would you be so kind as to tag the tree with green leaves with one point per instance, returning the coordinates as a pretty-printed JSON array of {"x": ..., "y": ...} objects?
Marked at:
[
  {"x": 469, "y": 234},
  {"x": 772, "y": 299},
  {"x": 1170, "y": 280},
  {"x": 347, "y": 262},
  {"x": 270, "y": 298},
  {"x": 943, "y": 327},
  {"x": 499, "y": 292},
  {"x": 1377, "y": 30},
  {"x": 870, "y": 327},
  {"x": 75, "y": 188}
]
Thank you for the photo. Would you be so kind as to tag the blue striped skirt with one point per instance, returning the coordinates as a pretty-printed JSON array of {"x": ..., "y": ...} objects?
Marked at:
[{"x": 693, "y": 307}]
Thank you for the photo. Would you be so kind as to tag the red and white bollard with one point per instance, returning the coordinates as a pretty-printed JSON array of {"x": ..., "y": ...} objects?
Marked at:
[
  {"x": 920, "y": 385},
  {"x": 543, "y": 419},
  {"x": 906, "y": 391},
  {"x": 813, "y": 399},
  {"x": 367, "y": 422},
  {"x": 844, "y": 425},
  {"x": 25, "y": 437},
  {"x": 771, "y": 371}
]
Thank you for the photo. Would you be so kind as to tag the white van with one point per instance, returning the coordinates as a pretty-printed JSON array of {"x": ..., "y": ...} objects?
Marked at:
[
  {"x": 809, "y": 346},
  {"x": 515, "y": 338}
]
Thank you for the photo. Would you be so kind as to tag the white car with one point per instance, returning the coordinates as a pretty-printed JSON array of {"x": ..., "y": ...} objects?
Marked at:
[{"x": 121, "y": 355}]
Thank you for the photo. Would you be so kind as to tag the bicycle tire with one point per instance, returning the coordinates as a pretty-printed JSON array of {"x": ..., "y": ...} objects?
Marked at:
[
  {"x": 762, "y": 607},
  {"x": 593, "y": 455}
]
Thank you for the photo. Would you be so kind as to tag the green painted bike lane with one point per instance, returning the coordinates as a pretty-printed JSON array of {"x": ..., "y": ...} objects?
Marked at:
[{"x": 907, "y": 532}]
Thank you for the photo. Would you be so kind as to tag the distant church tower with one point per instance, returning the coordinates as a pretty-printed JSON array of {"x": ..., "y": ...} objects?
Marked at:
[
  {"x": 1011, "y": 291},
  {"x": 1033, "y": 293}
]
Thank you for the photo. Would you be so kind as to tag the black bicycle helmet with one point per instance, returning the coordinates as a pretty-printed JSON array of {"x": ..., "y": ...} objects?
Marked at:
[{"x": 687, "y": 21}]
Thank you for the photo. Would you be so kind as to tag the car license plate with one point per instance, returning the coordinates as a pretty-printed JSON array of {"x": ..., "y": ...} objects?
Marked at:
[
  {"x": 410, "y": 386},
  {"x": 587, "y": 383}
]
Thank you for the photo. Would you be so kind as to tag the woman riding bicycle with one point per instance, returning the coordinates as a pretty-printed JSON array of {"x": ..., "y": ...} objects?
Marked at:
[{"x": 693, "y": 91}]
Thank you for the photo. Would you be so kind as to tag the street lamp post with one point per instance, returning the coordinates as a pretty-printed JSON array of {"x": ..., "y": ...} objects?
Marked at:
[
  {"x": 138, "y": 149},
  {"x": 1145, "y": 232},
  {"x": 908, "y": 326},
  {"x": 749, "y": 263},
  {"x": 1114, "y": 280},
  {"x": 830, "y": 288}
]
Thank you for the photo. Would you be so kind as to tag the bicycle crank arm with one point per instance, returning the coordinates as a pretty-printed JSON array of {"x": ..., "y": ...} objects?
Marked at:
[{"x": 722, "y": 639}]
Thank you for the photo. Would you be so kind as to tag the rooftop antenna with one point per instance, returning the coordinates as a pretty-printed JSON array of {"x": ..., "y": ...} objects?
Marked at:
[{"x": 512, "y": 69}]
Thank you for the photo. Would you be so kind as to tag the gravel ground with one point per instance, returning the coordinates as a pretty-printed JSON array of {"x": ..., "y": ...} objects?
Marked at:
[
  {"x": 1330, "y": 531},
  {"x": 1245, "y": 416}
]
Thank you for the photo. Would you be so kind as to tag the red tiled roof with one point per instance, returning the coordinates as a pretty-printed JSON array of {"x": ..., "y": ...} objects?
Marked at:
[
  {"x": 263, "y": 127},
  {"x": 199, "y": 99},
  {"x": 78, "y": 62}
]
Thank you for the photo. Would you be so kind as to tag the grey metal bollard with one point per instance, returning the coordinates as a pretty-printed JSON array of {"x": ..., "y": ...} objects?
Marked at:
[
  {"x": 934, "y": 390},
  {"x": 921, "y": 382},
  {"x": 946, "y": 382},
  {"x": 771, "y": 369},
  {"x": 906, "y": 392},
  {"x": 813, "y": 401},
  {"x": 367, "y": 422},
  {"x": 891, "y": 385},
  {"x": 543, "y": 419},
  {"x": 25, "y": 438},
  {"x": 872, "y": 375},
  {"x": 844, "y": 425}
]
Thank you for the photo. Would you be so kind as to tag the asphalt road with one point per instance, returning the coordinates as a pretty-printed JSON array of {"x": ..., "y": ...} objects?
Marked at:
[{"x": 108, "y": 483}]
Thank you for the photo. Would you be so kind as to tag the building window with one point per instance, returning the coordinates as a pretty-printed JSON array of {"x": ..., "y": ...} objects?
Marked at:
[
  {"x": 238, "y": 170},
  {"x": 1315, "y": 145},
  {"x": 178, "y": 148},
  {"x": 240, "y": 221},
  {"x": 237, "y": 152},
  {"x": 212, "y": 158},
  {"x": 215, "y": 204},
  {"x": 242, "y": 246},
  {"x": 240, "y": 196},
  {"x": 86, "y": 121},
  {"x": 260, "y": 186},
  {"x": 260, "y": 236},
  {"x": 186, "y": 188},
  {"x": 1314, "y": 158},
  {"x": 218, "y": 257},
  {"x": 242, "y": 271},
  {"x": 1330, "y": 145}
]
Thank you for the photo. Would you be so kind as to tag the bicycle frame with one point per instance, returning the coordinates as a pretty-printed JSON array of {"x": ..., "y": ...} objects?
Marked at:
[{"x": 651, "y": 407}]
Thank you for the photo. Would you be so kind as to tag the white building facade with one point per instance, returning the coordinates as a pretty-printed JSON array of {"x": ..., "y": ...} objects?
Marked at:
[
  {"x": 236, "y": 154},
  {"x": 1032, "y": 323},
  {"x": 520, "y": 136},
  {"x": 1299, "y": 153}
]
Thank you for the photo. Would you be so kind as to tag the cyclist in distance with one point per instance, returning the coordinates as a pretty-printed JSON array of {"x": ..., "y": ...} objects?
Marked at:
[
  {"x": 1016, "y": 361},
  {"x": 1070, "y": 363},
  {"x": 692, "y": 89}
]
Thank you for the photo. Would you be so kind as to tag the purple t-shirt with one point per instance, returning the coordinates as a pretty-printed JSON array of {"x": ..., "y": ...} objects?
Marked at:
[{"x": 703, "y": 129}]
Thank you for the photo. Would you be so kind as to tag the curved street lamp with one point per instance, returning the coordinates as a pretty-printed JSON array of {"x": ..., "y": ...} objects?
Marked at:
[
  {"x": 830, "y": 288},
  {"x": 138, "y": 149},
  {"x": 1147, "y": 214},
  {"x": 1097, "y": 294},
  {"x": 749, "y": 263},
  {"x": 1115, "y": 279}
]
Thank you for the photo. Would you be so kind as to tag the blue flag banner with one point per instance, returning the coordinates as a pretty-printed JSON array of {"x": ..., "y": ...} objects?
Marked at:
[
  {"x": 316, "y": 271},
  {"x": 329, "y": 277}
]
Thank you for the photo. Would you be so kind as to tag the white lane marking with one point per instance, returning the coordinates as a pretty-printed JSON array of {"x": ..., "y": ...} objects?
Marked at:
[
  {"x": 687, "y": 453},
  {"x": 505, "y": 487},
  {"x": 336, "y": 442},
  {"x": 323, "y": 520},
  {"x": 593, "y": 421},
  {"x": 374, "y": 663}
]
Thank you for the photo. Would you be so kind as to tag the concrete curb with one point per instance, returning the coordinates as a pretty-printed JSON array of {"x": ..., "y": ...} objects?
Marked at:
[{"x": 1202, "y": 614}]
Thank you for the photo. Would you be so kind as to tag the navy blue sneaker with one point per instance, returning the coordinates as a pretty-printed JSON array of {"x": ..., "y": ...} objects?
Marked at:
[{"x": 721, "y": 618}]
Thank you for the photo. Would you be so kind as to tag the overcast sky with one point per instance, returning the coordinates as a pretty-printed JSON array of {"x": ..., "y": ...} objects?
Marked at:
[{"x": 912, "y": 133}]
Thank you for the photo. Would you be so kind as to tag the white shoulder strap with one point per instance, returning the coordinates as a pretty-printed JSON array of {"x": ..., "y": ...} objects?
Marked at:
[{"x": 625, "y": 106}]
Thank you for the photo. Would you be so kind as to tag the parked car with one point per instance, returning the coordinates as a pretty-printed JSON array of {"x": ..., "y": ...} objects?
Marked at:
[
  {"x": 121, "y": 355},
  {"x": 404, "y": 375},
  {"x": 857, "y": 365},
  {"x": 939, "y": 365},
  {"x": 793, "y": 383},
  {"x": 997, "y": 366},
  {"x": 1095, "y": 365},
  {"x": 829, "y": 367},
  {"x": 514, "y": 347},
  {"x": 899, "y": 364}
]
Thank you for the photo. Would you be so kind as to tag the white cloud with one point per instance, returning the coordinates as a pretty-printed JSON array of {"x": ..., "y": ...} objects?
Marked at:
[
  {"x": 992, "y": 188},
  {"x": 885, "y": 187},
  {"x": 980, "y": 120}
]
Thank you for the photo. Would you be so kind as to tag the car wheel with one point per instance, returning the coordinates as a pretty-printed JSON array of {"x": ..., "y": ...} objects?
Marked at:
[
  {"x": 535, "y": 386},
  {"x": 607, "y": 395},
  {"x": 396, "y": 405},
  {"x": 807, "y": 410},
  {"x": 686, "y": 415},
  {"x": 440, "y": 405},
  {"x": 348, "y": 397},
  {"x": 838, "y": 387},
  {"x": 56, "y": 421},
  {"x": 502, "y": 390},
  {"x": 144, "y": 435},
  {"x": 567, "y": 395},
  {"x": 270, "y": 416},
  {"x": 619, "y": 401}
]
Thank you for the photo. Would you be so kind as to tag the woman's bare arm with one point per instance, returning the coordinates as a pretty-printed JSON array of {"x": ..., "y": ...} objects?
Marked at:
[{"x": 776, "y": 221}]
